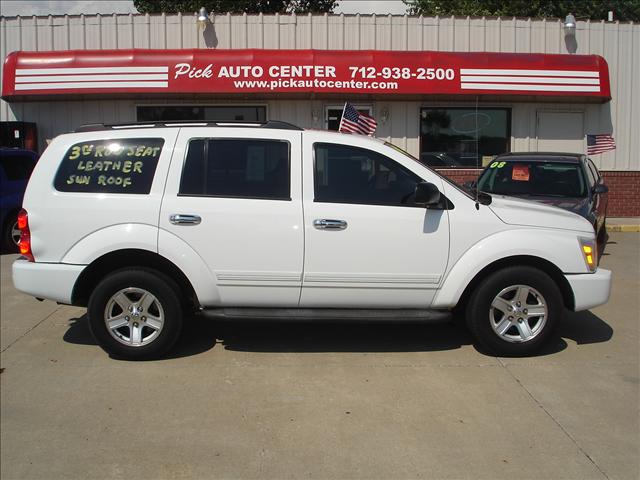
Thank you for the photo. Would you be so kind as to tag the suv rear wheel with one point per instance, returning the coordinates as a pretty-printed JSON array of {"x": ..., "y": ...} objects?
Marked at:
[
  {"x": 514, "y": 310},
  {"x": 135, "y": 314}
]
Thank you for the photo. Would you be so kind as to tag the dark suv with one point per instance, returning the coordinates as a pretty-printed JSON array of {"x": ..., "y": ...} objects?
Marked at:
[{"x": 15, "y": 168}]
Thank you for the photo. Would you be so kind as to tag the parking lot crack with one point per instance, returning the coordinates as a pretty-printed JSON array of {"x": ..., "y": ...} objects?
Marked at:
[
  {"x": 553, "y": 419},
  {"x": 28, "y": 331}
]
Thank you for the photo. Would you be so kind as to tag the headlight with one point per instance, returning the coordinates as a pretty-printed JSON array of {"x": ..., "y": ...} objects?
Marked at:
[{"x": 589, "y": 253}]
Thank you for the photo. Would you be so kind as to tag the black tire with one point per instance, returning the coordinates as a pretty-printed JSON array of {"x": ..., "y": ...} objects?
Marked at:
[
  {"x": 133, "y": 283},
  {"x": 8, "y": 244},
  {"x": 481, "y": 316}
]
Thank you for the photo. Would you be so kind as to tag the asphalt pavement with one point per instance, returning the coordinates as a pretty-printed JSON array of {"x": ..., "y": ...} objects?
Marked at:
[{"x": 276, "y": 401}]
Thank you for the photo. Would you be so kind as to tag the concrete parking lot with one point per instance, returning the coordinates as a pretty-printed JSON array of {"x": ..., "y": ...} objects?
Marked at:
[{"x": 310, "y": 400}]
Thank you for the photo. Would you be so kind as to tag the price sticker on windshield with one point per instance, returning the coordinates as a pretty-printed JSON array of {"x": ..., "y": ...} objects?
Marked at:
[{"x": 520, "y": 173}]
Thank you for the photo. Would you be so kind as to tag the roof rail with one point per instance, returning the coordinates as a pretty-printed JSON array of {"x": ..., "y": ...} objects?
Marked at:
[{"x": 275, "y": 124}]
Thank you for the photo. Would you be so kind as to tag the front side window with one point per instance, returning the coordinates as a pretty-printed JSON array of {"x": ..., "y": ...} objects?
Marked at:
[
  {"x": 345, "y": 174},
  {"x": 593, "y": 172},
  {"x": 237, "y": 168},
  {"x": 122, "y": 165},
  {"x": 463, "y": 137}
]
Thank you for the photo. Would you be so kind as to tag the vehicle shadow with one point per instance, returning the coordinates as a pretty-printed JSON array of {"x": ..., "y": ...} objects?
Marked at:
[
  {"x": 198, "y": 336},
  {"x": 324, "y": 337},
  {"x": 271, "y": 336},
  {"x": 583, "y": 328},
  {"x": 347, "y": 336}
]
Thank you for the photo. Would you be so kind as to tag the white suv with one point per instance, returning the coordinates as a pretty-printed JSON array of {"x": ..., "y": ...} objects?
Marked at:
[{"x": 145, "y": 222}]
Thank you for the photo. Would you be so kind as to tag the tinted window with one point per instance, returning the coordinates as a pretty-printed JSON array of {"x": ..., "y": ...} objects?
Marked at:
[
  {"x": 461, "y": 132},
  {"x": 534, "y": 178},
  {"x": 345, "y": 174},
  {"x": 237, "y": 168},
  {"x": 17, "y": 167},
  {"x": 125, "y": 165}
]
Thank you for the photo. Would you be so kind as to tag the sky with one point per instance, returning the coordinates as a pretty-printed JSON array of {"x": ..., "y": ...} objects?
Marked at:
[{"x": 60, "y": 7}]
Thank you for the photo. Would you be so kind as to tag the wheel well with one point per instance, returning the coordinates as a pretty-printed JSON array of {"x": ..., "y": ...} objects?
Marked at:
[
  {"x": 540, "y": 263},
  {"x": 112, "y": 261}
]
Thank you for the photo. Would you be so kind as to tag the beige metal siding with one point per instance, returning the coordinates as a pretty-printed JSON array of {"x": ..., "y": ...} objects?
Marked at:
[{"x": 618, "y": 43}]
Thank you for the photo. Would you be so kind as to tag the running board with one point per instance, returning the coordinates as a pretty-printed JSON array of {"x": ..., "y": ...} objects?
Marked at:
[{"x": 421, "y": 315}]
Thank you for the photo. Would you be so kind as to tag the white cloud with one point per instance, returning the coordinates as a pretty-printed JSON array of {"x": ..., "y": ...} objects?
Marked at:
[{"x": 60, "y": 7}]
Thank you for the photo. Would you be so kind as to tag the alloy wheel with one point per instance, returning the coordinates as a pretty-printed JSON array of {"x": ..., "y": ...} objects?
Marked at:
[
  {"x": 518, "y": 313},
  {"x": 134, "y": 317}
]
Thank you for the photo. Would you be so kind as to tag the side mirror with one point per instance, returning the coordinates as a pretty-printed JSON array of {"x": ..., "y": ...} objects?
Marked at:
[
  {"x": 600, "y": 188},
  {"x": 427, "y": 194}
]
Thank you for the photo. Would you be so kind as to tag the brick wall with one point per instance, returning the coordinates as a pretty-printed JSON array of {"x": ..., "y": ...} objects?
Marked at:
[
  {"x": 624, "y": 193},
  {"x": 624, "y": 189}
]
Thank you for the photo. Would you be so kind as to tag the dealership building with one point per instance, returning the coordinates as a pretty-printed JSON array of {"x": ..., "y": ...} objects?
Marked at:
[{"x": 453, "y": 91}]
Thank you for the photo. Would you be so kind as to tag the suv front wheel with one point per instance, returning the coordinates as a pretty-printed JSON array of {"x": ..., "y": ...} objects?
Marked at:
[
  {"x": 514, "y": 310},
  {"x": 135, "y": 314}
]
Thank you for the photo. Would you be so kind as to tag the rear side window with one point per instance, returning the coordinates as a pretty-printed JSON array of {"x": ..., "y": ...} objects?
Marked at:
[
  {"x": 17, "y": 167},
  {"x": 237, "y": 168},
  {"x": 123, "y": 165}
]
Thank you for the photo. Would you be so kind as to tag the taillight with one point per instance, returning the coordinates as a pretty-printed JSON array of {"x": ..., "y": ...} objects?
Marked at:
[{"x": 25, "y": 235}]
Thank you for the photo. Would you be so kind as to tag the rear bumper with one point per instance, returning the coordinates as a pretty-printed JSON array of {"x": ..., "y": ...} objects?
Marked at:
[
  {"x": 53, "y": 281},
  {"x": 590, "y": 289}
]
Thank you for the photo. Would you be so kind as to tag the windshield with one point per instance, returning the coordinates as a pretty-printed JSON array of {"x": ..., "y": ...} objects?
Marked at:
[
  {"x": 449, "y": 181},
  {"x": 537, "y": 178}
]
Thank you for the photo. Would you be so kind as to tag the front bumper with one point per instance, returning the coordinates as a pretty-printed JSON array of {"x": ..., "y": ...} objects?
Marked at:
[
  {"x": 53, "y": 281},
  {"x": 590, "y": 289}
]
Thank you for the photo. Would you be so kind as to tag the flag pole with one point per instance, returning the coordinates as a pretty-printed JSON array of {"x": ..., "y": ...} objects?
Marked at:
[{"x": 342, "y": 117}]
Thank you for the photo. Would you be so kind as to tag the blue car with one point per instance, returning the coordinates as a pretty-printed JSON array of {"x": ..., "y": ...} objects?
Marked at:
[
  {"x": 566, "y": 180},
  {"x": 15, "y": 168}
]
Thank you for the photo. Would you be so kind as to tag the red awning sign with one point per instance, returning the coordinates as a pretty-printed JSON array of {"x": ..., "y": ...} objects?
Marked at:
[{"x": 303, "y": 71}]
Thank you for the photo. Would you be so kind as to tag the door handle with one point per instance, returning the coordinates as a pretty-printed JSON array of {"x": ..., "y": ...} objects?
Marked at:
[
  {"x": 182, "y": 219},
  {"x": 326, "y": 224}
]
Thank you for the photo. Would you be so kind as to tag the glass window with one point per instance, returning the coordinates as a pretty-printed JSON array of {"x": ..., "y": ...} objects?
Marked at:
[
  {"x": 345, "y": 174},
  {"x": 554, "y": 179},
  {"x": 334, "y": 115},
  {"x": 593, "y": 172},
  {"x": 125, "y": 165},
  {"x": 591, "y": 176},
  {"x": 17, "y": 167},
  {"x": 237, "y": 168},
  {"x": 448, "y": 135},
  {"x": 216, "y": 113}
]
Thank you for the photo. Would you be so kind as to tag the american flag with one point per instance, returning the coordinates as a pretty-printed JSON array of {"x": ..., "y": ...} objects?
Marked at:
[
  {"x": 600, "y": 143},
  {"x": 356, "y": 122}
]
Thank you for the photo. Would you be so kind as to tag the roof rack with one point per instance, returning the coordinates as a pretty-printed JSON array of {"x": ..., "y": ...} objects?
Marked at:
[{"x": 274, "y": 124}]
